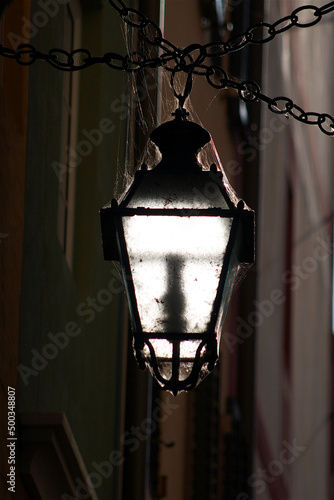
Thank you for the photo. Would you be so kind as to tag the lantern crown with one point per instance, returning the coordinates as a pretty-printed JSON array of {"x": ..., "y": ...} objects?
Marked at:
[{"x": 179, "y": 141}]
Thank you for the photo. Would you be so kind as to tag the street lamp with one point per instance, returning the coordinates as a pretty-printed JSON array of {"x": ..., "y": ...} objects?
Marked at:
[{"x": 179, "y": 252}]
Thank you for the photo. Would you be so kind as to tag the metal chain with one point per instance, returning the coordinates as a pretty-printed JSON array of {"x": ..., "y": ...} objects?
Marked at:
[
  {"x": 260, "y": 33},
  {"x": 264, "y": 32},
  {"x": 189, "y": 60}
]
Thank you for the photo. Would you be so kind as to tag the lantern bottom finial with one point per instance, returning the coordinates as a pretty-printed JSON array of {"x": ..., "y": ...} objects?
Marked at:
[{"x": 177, "y": 373}]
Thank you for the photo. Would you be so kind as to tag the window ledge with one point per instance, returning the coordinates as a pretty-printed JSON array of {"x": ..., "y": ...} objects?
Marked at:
[{"x": 51, "y": 463}]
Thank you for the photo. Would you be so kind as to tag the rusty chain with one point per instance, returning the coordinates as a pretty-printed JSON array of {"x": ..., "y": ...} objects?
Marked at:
[{"x": 190, "y": 60}]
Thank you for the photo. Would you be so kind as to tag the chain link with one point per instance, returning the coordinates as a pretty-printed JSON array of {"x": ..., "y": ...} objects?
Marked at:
[{"x": 191, "y": 59}]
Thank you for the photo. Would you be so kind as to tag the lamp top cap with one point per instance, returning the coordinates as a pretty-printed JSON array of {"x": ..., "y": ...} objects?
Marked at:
[{"x": 180, "y": 137}]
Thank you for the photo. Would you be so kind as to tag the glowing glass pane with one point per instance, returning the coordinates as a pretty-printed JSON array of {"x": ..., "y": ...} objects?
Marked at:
[{"x": 176, "y": 263}]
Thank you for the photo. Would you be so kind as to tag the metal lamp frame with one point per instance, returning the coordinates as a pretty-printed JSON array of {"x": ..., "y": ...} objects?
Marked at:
[{"x": 241, "y": 239}]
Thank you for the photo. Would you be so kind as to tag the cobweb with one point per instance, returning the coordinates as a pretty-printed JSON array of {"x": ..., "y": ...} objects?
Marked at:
[{"x": 151, "y": 102}]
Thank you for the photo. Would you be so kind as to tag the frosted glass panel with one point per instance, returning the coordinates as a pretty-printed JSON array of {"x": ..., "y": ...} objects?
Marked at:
[{"x": 176, "y": 263}]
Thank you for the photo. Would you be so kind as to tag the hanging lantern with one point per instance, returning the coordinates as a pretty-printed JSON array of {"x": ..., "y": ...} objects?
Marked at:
[{"x": 179, "y": 252}]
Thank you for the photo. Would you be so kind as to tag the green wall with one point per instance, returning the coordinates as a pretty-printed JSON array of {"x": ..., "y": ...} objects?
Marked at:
[{"x": 83, "y": 310}]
